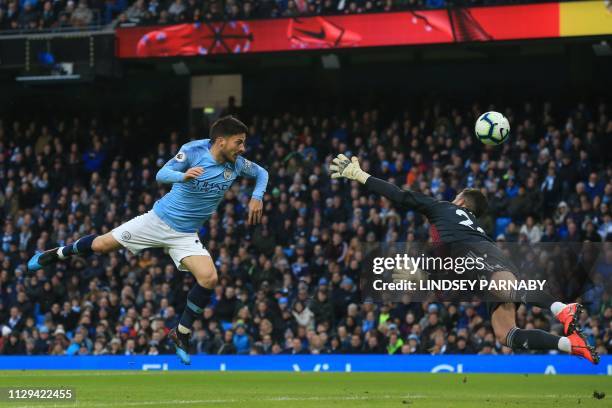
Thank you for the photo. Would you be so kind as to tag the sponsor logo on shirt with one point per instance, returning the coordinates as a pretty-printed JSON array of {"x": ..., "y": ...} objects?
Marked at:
[{"x": 205, "y": 186}]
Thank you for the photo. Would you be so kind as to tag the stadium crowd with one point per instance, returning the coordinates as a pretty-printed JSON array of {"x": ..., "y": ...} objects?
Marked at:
[
  {"x": 48, "y": 14},
  {"x": 289, "y": 285}
]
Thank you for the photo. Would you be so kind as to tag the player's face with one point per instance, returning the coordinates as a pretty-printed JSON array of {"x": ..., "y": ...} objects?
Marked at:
[{"x": 233, "y": 146}]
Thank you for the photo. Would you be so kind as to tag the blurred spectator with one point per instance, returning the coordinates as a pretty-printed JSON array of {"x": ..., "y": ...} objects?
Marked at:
[
  {"x": 176, "y": 9},
  {"x": 137, "y": 12},
  {"x": 531, "y": 230},
  {"x": 82, "y": 16}
]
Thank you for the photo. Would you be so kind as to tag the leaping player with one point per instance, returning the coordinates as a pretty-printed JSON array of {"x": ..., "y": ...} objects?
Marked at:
[
  {"x": 456, "y": 222},
  {"x": 200, "y": 174}
]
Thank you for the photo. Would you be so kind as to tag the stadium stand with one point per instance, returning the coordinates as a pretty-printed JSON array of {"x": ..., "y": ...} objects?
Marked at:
[
  {"x": 289, "y": 285},
  {"x": 35, "y": 15}
]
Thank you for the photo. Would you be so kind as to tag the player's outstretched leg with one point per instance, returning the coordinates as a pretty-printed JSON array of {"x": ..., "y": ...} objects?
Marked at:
[
  {"x": 581, "y": 348},
  {"x": 181, "y": 344},
  {"x": 203, "y": 269},
  {"x": 567, "y": 314},
  {"x": 83, "y": 246},
  {"x": 503, "y": 320}
]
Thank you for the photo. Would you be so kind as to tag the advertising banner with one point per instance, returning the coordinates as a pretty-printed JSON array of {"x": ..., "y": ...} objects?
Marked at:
[
  {"x": 418, "y": 27},
  {"x": 515, "y": 364},
  {"x": 550, "y": 20}
]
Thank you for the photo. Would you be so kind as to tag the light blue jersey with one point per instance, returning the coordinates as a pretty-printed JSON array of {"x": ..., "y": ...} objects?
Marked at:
[{"x": 191, "y": 203}]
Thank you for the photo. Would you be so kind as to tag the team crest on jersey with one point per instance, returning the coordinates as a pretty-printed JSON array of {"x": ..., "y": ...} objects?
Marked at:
[
  {"x": 227, "y": 173},
  {"x": 180, "y": 157},
  {"x": 126, "y": 236}
]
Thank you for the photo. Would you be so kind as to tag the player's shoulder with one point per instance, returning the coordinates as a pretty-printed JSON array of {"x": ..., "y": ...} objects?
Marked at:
[
  {"x": 447, "y": 204},
  {"x": 196, "y": 149},
  {"x": 455, "y": 208},
  {"x": 200, "y": 144},
  {"x": 434, "y": 202},
  {"x": 445, "y": 208}
]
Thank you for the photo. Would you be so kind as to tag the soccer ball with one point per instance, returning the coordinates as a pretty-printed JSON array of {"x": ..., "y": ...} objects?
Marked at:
[{"x": 492, "y": 128}]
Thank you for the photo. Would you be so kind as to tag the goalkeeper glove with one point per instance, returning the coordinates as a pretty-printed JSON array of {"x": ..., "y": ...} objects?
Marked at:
[{"x": 343, "y": 167}]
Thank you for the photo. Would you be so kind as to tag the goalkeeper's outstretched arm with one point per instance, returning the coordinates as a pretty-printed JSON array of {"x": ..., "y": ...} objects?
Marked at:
[{"x": 343, "y": 167}]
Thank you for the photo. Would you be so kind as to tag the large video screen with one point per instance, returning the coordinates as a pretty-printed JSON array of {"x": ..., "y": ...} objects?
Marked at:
[{"x": 533, "y": 21}]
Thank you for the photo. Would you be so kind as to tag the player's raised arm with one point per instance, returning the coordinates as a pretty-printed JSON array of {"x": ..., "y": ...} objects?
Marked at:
[
  {"x": 249, "y": 169},
  {"x": 342, "y": 166},
  {"x": 176, "y": 170}
]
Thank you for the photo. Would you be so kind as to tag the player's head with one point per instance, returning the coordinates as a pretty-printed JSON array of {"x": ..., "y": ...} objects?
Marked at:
[
  {"x": 228, "y": 135},
  {"x": 473, "y": 200}
]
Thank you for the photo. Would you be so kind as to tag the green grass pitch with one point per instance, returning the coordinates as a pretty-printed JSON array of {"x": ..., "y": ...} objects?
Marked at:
[{"x": 249, "y": 389}]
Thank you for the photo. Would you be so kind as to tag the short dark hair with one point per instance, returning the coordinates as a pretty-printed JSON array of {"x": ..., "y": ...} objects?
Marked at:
[
  {"x": 475, "y": 201},
  {"x": 227, "y": 126}
]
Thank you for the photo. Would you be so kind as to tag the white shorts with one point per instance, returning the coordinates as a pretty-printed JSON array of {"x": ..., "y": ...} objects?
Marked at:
[{"x": 149, "y": 231}]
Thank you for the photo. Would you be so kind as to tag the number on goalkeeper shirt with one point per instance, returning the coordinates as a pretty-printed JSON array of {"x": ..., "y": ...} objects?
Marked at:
[{"x": 467, "y": 221}]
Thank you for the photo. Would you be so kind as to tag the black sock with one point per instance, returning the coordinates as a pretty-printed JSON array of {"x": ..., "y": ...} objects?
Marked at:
[
  {"x": 82, "y": 246},
  {"x": 197, "y": 299},
  {"x": 539, "y": 298},
  {"x": 531, "y": 340}
]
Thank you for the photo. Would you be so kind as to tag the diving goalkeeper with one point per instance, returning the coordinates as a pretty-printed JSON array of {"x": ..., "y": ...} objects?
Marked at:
[{"x": 456, "y": 222}]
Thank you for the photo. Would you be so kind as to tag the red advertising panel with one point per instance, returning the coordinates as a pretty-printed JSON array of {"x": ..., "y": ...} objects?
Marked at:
[
  {"x": 418, "y": 27},
  {"x": 518, "y": 22},
  {"x": 369, "y": 30}
]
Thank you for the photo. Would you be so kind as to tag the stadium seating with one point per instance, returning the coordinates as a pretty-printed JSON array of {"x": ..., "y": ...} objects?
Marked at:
[{"x": 292, "y": 282}]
